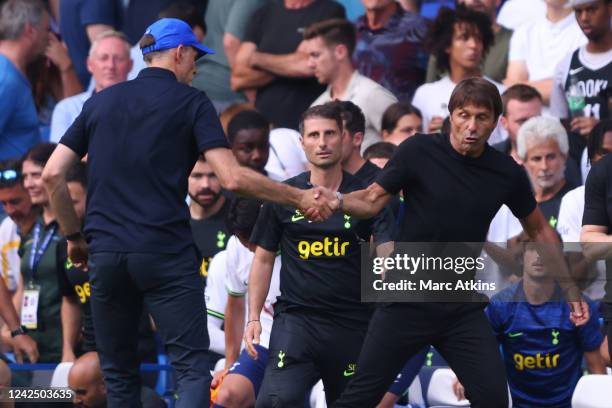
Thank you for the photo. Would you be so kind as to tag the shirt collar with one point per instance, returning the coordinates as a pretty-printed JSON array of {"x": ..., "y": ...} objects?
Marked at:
[
  {"x": 394, "y": 20},
  {"x": 154, "y": 72}
]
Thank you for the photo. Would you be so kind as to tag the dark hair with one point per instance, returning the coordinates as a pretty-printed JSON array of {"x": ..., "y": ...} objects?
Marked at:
[
  {"x": 395, "y": 112},
  {"x": 326, "y": 111},
  {"x": 476, "y": 91},
  {"x": 242, "y": 216},
  {"x": 192, "y": 15},
  {"x": 40, "y": 153},
  {"x": 248, "y": 119},
  {"x": 352, "y": 116},
  {"x": 446, "y": 126},
  {"x": 596, "y": 138},
  {"x": 380, "y": 150},
  {"x": 519, "y": 92},
  {"x": 440, "y": 35},
  {"x": 77, "y": 174},
  {"x": 10, "y": 173},
  {"x": 335, "y": 31}
]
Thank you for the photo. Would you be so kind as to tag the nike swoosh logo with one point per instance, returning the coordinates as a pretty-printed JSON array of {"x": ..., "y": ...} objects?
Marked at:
[
  {"x": 515, "y": 334},
  {"x": 348, "y": 373},
  {"x": 575, "y": 71},
  {"x": 296, "y": 218}
]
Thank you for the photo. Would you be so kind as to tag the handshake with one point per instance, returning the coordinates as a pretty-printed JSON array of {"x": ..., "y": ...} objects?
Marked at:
[{"x": 319, "y": 203}]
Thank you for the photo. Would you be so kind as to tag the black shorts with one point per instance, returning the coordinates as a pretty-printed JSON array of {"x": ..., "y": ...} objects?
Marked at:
[{"x": 306, "y": 347}]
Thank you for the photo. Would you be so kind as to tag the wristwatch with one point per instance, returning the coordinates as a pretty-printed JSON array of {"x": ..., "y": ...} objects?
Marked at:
[
  {"x": 19, "y": 331},
  {"x": 75, "y": 236},
  {"x": 340, "y": 198}
]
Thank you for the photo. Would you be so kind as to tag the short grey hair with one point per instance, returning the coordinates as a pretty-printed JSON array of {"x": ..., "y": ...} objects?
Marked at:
[
  {"x": 15, "y": 14},
  {"x": 110, "y": 34},
  {"x": 540, "y": 129}
]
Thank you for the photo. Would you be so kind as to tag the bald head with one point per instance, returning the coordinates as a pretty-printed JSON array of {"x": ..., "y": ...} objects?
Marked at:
[{"x": 85, "y": 379}]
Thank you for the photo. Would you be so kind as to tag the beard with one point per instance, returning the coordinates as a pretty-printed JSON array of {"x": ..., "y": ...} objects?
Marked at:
[{"x": 209, "y": 202}]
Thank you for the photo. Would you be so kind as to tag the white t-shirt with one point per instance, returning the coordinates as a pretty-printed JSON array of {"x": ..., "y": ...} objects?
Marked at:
[
  {"x": 138, "y": 62},
  {"x": 432, "y": 100},
  {"x": 64, "y": 113},
  {"x": 569, "y": 226},
  {"x": 287, "y": 158},
  {"x": 541, "y": 45},
  {"x": 216, "y": 300},
  {"x": 592, "y": 61},
  {"x": 371, "y": 97},
  {"x": 515, "y": 13},
  {"x": 10, "y": 262},
  {"x": 238, "y": 266}
]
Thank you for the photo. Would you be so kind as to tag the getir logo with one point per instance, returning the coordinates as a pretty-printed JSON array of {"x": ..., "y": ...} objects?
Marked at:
[
  {"x": 536, "y": 362},
  {"x": 328, "y": 247}
]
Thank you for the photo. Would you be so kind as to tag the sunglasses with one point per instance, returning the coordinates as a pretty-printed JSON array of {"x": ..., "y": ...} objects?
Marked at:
[{"x": 9, "y": 175}]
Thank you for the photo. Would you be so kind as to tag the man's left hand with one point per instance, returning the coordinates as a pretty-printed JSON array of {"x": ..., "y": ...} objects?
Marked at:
[{"x": 579, "y": 312}]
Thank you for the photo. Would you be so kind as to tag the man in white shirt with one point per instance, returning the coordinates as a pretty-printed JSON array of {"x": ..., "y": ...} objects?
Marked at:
[
  {"x": 537, "y": 48},
  {"x": 109, "y": 62},
  {"x": 330, "y": 45},
  {"x": 586, "y": 71},
  {"x": 460, "y": 54}
]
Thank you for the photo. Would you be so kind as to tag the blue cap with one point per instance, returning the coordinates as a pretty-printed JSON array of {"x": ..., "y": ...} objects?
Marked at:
[{"x": 170, "y": 33}]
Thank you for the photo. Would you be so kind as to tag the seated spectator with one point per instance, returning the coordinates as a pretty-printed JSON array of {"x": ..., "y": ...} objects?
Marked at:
[
  {"x": 380, "y": 153},
  {"x": 495, "y": 62},
  {"x": 330, "y": 45},
  {"x": 459, "y": 39},
  {"x": 542, "y": 145},
  {"x": 591, "y": 277},
  {"x": 226, "y": 22},
  {"x": 389, "y": 47},
  {"x": 81, "y": 21},
  {"x": 583, "y": 75},
  {"x": 537, "y": 48},
  {"x": 182, "y": 10},
  {"x": 109, "y": 62},
  {"x": 86, "y": 381},
  {"x": 542, "y": 349},
  {"x": 24, "y": 26},
  {"x": 215, "y": 295},
  {"x": 208, "y": 209},
  {"x": 400, "y": 121},
  {"x": 272, "y": 59}
]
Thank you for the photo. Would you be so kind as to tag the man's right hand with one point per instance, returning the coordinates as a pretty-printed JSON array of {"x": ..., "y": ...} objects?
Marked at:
[
  {"x": 218, "y": 378},
  {"x": 25, "y": 344},
  {"x": 78, "y": 253},
  {"x": 251, "y": 337},
  {"x": 318, "y": 204}
]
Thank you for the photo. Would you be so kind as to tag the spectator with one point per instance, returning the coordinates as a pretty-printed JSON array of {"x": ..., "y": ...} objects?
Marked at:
[
  {"x": 495, "y": 62},
  {"x": 24, "y": 26},
  {"x": 21, "y": 216},
  {"x": 226, "y": 22},
  {"x": 389, "y": 47},
  {"x": 571, "y": 209},
  {"x": 208, "y": 208},
  {"x": 542, "y": 146},
  {"x": 537, "y": 48},
  {"x": 400, "y": 121},
  {"x": 542, "y": 349},
  {"x": 380, "y": 153},
  {"x": 249, "y": 136},
  {"x": 272, "y": 58},
  {"x": 585, "y": 73},
  {"x": 109, "y": 62},
  {"x": 81, "y": 21},
  {"x": 458, "y": 39},
  {"x": 215, "y": 295},
  {"x": 330, "y": 45},
  {"x": 85, "y": 379},
  {"x": 182, "y": 10}
]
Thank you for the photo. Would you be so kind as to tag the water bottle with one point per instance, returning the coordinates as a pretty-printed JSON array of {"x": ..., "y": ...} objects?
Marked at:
[{"x": 575, "y": 99}]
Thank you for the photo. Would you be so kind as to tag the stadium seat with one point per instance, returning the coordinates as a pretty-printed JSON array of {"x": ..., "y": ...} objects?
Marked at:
[
  {"x": 60, "y": 375},
  {"x": 593, "y": 391},
  {"x": 440, "y": 390}
]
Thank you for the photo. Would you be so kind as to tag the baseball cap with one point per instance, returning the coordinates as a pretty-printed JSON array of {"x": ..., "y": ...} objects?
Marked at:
[
  {"x": 574, "y": 3},
  {"x": 170, "y": 33}
]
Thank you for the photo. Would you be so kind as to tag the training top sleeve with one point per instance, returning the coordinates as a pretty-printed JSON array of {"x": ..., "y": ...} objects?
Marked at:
[
  {"x": 589, "y": 335},
  {"x": 76, "y": 136},
  {"x": 399, "y": 170},
  {"x": 595, "y": 208},
  {"x": 521, "y": 200},
  {"x": 207, "y": 128},
  {"x": 268, "y": 228}
]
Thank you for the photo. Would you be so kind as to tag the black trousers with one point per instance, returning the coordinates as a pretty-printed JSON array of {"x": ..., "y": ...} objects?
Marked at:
[
  {"x": 460, "y": 332},
  {"x": 172, "y": 289},
  {"x": 306, "y": 347}
]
